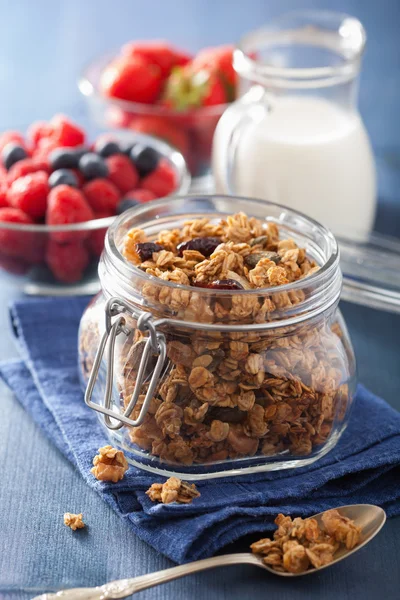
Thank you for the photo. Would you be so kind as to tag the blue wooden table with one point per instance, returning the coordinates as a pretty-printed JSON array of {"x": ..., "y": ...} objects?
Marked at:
[{"x": 44, "y": 44}]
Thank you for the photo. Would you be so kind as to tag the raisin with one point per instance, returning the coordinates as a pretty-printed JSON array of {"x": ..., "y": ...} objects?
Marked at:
[
  {"x": 204, "y": 245},
  {"x": 226, "y": 414},
  {"x": 220, "y": 284},
  {"x": 145, "y": 250},
  {"x": 252, "y": 259}
]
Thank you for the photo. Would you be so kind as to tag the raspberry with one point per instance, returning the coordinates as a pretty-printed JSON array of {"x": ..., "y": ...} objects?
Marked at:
[
  {"x": 67, "y": 262},
  {"x": 11, "y": 136},
  {"x": 67, "y": 205},
  {"x": 95, "y": 241},
  {"x": 102, "y": 195},
  {"x": 44, "y": 148},
  {"x": 122, "y": 172},
  {"x": 141, "y": 195},
  {"x": 3, "y": 194},
  {"x": 29, "y": 193},
  {"x": 37, "y": 131},
  {"x": 15, "y": 243},
  {"x": 16, "y": 266},
  {"x": 162, "y": 181},
  {"x": 25, "y": 167},
  {"x": 65, "y": 132}
]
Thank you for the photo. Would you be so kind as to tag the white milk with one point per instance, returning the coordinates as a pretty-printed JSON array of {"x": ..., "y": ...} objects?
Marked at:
[{"x": 310, "y": 155}]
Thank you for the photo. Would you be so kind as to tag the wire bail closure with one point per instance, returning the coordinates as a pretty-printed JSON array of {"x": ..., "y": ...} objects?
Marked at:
[{"x": 155, "y": 344}]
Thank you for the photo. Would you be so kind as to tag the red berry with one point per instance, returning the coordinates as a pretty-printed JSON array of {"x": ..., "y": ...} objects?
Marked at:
[
  {"x": 158, "y": 53},
  {"x": 11, "y": 136},
  {"x": 3, "y": 194},
  {"x": 102, "y": 195},
  {"x": 67, "y": 262},
  {"x": 80, "y": 177},
  {"x": 37, "y": 131},
  {"x": 65, "y": 132},
  {"x": 25, "y": 167},
  {"x": 67, "y": 205},
  {"x": 44, "y": 148},
  {"x": 133, "y": 79},
  {"x": 11, "y": 264},
  {"x": 15, "y": 243},
  {"x": 141, "y": 195},
  {"x": 95, "y": 241},
  {"x": 162, "y": 181},
  {"x": 122, "y": 172},
  {"x": 29, "y": 193}
]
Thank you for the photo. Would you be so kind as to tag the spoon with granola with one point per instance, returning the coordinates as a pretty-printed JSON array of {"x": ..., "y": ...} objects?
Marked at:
[{"x": 298, "y": 547}]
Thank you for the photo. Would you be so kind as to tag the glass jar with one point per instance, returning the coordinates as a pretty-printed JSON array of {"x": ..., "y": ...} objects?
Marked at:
[
  {"x": 204, "y": 383},
  {"x": 295, "y": 136}
]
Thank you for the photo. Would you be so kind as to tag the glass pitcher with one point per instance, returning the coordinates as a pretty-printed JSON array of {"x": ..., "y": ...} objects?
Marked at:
[{"x": 295, "y": 135}]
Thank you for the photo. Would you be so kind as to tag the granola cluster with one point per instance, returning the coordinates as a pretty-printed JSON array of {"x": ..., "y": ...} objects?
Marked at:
[
  {"x": 300, "y": 544},
  {"x": 74, "y": 521},
  {"x": 110, "y": 464},
  {"x": 173, "y": 490},
  {"x": 239, "y": 253}
]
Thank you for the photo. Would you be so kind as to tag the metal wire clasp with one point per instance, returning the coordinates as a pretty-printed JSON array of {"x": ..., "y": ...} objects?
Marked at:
[{"x": 154, "y": 345}]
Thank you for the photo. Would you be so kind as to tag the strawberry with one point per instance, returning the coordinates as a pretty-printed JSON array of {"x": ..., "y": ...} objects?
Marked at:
[
  {"x": 133, "y": 79},
  {"x": 187, "y": 89},
  {"x": 162, "y": 181},
  {"x": 159, "y": 53},
  {"x": 220, "y": 60},
  {"x": 163, "y": 128},
  {"x": 11, "y": 264}
]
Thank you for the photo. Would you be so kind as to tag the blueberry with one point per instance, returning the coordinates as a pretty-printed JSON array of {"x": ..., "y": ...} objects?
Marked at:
[
  {"x": 63, "y": 176},
  {"x": 126, "y": 204},
  {"x": 92, "y": 166},
  {"x": 11, "y": 154},
  {"x": 66, "y": 158},
  {"x": 145, "y": 158},
  {"x": 107, "y": 148}
]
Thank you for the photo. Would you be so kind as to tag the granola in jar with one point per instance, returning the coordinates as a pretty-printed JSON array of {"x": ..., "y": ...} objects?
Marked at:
[{"x": 258, "y": 362}]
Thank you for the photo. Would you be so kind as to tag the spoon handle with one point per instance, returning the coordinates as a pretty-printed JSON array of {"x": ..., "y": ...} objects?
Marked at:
[{"x": 126, "y": 587}]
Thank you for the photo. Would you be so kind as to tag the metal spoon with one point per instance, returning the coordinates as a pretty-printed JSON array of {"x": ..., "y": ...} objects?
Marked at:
[{"x": 370, "y": 518}]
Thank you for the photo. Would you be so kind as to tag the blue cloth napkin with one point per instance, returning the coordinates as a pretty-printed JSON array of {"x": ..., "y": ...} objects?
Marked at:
[{"x": 364, "y": 467}]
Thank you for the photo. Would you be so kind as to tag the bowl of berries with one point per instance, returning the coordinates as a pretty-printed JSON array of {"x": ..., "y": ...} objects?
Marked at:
[
  {"x": 156, "y": 89},
  {"x": 59, "y": 193}
]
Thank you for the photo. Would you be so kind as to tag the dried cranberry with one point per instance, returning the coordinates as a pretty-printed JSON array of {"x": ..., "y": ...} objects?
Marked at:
[
  {"x": 220, "y": 284},
  {"x": 226, "y": 414},
  {"x": 205, "y": 245},
  {"x": 145, "y": 250}
]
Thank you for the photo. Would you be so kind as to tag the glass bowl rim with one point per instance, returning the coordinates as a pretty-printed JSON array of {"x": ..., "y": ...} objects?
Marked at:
[
  {"x": 111, "y": 249},
  {"x": 89, "y": 87}
]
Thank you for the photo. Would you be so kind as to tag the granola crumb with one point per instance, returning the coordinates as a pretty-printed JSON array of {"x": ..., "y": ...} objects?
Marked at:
[
  {"x": 74, "y": 521},
  {"x": 173, "y": 490},
  {"x": 299, "y": 544},
  {"x": 110, "y": 464}
]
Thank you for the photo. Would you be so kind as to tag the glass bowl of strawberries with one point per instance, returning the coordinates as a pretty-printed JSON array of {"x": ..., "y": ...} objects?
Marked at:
[
  {"x": 154, "y": 88},
  {"x": 59, "y": 193}
]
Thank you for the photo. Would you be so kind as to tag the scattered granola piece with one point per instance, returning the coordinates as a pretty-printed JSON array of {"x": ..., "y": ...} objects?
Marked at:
[
  {"x": 301, "y": 543},
  {"x": 110, "y": 464},
  {"x": 173, "y": 490},
  {"x": 73, "y": 521}
]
